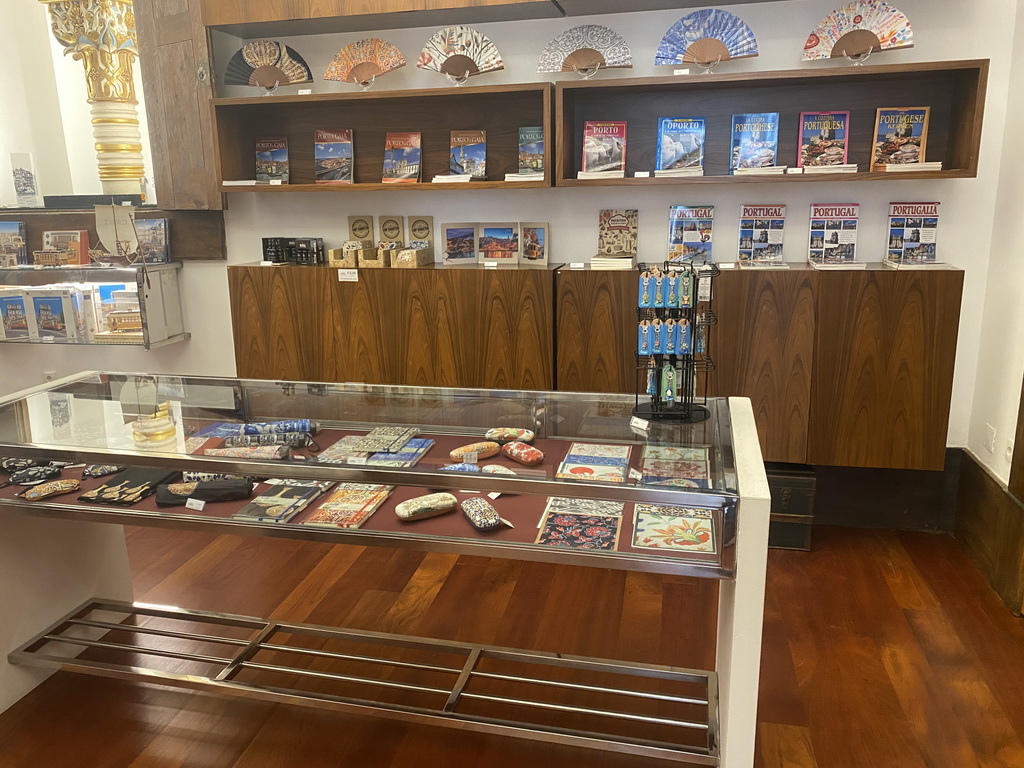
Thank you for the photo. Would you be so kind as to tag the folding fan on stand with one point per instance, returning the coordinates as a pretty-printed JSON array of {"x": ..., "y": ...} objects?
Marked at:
[
  {"x": 364, "y": 61},
  {"x": 859, "y": 29},
  {"x": 460, "y": 53},
  {"x": 706, "y": 38},
  {"x": 267, "y": 64},
  {"x": 586, "y": 49}
]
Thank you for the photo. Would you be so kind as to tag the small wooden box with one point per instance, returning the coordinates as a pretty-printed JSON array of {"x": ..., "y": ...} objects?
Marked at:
[
  {"x": 371, "y": 258},
  {"x": 341, "y": 258},
  {"x": 410, "y": 258}
]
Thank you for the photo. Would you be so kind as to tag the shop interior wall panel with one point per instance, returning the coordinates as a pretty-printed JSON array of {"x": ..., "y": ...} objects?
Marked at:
[
  {"x": 596, "y": 330},
  {"x": 763, "y": 348},
  {"x": 1017, "y": 463},
  {"x": 883, "y": 367}
]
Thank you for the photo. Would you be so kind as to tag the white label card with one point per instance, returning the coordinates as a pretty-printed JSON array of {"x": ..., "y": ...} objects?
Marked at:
[
  {"x": 493, "y": 495},
  {"x": 360, "y": 460},
  {"x": 195, "y": 504},
  {"x": 348, "y": 275},
  {"x": 637, "y": 423},
  {"x": 577, "y": 265},
  {"x": 680, "y": 71},
  {"x": 490, "y": 265},
  {"x": 276, "y": 182},
  {"x": 642, "y": 175},
  {"x": 634, "y": 474}
]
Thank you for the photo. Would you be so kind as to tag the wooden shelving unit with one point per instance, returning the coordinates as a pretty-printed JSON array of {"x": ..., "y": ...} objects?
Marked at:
[
  {"x": 955, "y": 91},
  {"x": 499, "y": 109}
]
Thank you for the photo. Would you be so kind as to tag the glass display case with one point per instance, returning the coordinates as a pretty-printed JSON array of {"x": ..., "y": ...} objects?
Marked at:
[{"x": 544, "y": 476}]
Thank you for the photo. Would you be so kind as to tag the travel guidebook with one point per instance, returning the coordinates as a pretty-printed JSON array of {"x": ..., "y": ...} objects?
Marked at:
[
  {"x": 469, "y": 154},
  {"x": 901, "y": 136},
  {"x": 401, "y": 158},
  {"x": 832, "y": 242},
  {"x": 604, "y": 147},
  {"x": 823, "y": 139},
  {"x": 680, "y": 143},
  {"x": 531, "y": 149},
  {"x": 912, "y": 229},
  {"x": 272, "y": 161},
  {"x": 689, "y": 233},
  {"x": 755, "y": 140},
  {"x": 333, "y": 157},
  {"x": 761, "y": 231}
]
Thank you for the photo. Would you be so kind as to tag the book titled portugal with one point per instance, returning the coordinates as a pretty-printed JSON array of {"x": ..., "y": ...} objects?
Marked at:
[
  {"x": 272, "y": 161},
  {"x": 832, "y": 242},
  {"x": 912, "y": 240},
  {"x": 401, "y": 158}
]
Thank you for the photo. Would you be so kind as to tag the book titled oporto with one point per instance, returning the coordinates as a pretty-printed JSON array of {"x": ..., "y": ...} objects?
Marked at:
[
  {"x": 401, "y": 158},
  {"x": 680, "y": 143},
  {"x": 755, "y": 140}
]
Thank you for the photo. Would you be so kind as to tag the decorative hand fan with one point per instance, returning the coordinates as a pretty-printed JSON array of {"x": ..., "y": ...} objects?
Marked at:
[
  {"x": 705, "y": 37},
  {"x": 363, "y": 61},
  {"x": 460, "y": 53},
  {"x": 858, "y": 29},
  {"x": 267, "y": 64},
  {"x": 586, "y": 49}
]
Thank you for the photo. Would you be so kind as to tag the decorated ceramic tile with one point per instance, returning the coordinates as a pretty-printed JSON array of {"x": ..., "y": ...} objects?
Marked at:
[
  {"x": 676, "y": 453},
  {"x": 706, "y": 36},
  {"x": 605, "y": 461},
  {"x": 676, "y": 468},
  {"x": 888, "y": 24},
  {"x": 341, "y": 451},
  {"x": 585, "y": 506},
  {"x": 267, "y": 63},
  {"x": 460, "y": 51},
  {"x": 668, "y": 527},
  {"x": 677, "y": 482},
  {"x": 586, "y": 47},
  {"x": 568, "y": 529},
  {"x": 596, "y": 472},
  {"x": 598, "y": 449},
  {"x": 364, "y": 60}
]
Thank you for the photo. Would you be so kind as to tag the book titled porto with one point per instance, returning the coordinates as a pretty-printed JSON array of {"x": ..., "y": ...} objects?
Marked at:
[
  {"x": 912, "y": 234},
  {"x": 272, "y": 161},
  {"x": 401, "y": 158},
  {"x": 333, "y": 157},
  {"x": 755, "y": 140},
  {"x": 469, "y": 154},
  {"x": 761, "y": 234},
  {"x": 604, "y": 147},
  {"x": 680, "y": 143},
  {"x": 832, "y": 243},
  {"x": 823, "y": 139},
  {"x": 689, "y": 233},
  {"x": 531, "y": 149},
  {"x": 901, "y": 136}
]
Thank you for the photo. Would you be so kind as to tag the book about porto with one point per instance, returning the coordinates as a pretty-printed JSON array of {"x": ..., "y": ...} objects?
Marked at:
[
  {"x": 604, "y": 146},
  {"x": 755, "y": 140},
  {"x": 823, "y": 139},
  {"x": 401, "y": 158},
  {"x": 272, "y": 160},
  {"x": 680, "y": 143},
  {"x": 333, "y": 157},
  {"x": 901, "y": 136},
  {"x": 912, "y": 233},
  {"x": 531, "y": 149},
  {"x": 469, "y": 154},
  {"x": 833, "y": 234},
  {"x": 689, "y": 233}
]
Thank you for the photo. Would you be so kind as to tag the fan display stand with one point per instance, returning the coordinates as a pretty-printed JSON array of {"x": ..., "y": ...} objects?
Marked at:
[{"x": 672, "y": 385}]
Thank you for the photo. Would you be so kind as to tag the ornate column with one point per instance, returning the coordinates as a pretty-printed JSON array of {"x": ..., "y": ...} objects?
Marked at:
[{"x": 101, "y": 34}]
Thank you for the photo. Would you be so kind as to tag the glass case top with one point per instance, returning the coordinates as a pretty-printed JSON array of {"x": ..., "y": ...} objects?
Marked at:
[{"x": 583, "y": 439}]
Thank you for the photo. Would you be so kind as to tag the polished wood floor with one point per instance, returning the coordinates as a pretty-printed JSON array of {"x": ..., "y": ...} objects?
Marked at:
[{"x": 881, "y": 649}]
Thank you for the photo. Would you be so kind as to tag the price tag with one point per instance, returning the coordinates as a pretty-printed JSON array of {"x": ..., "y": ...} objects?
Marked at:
[
  {"x": 490, "y": 265},
  {"x": 47, "y": 339},
  {"x": 266, "y": 263},
  {"x": 637, "y": 423},
  {"x": 634, "y": 474},
  {"x": 704, "y": 289},
  {"x": 642, "y": 175},
  {"x": 493, "y": 495},
  {"x": 195, "y": 504},
  {"x": 276, "y": 182},
  {"x": 680, "y": 71},
  {"x": 305, "y": 91},
  {"x": 577, "y": 265},
  {"x": 348, "y": 275},
  {"x": 470, "y": 457},
  {"x": 358, "y": 460}
]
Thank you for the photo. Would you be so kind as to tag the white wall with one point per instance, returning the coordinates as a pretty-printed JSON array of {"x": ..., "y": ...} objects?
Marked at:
[{"x": 942, "y": 31}]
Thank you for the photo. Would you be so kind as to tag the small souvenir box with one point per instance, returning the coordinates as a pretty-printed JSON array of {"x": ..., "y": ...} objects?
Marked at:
[
  {"x": 356, "y": 245},
  {"x": 342, "y": 258},
  {"x": 372, "y": 258},
  {"x": 410, "y": 258}
]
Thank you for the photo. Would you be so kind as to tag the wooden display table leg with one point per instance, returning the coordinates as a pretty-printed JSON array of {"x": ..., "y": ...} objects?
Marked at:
[{"x": 47, "y": 568}]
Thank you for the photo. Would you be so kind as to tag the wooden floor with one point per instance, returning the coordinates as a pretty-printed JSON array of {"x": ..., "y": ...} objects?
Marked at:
[{"x": 881, "y": 649}]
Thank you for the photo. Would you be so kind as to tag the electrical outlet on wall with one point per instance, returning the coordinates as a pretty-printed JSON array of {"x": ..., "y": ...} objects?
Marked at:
[{"x": 990, "y": 438}]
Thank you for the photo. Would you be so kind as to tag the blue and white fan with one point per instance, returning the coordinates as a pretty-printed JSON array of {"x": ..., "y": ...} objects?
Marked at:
[{"x": 705, "y": 37}]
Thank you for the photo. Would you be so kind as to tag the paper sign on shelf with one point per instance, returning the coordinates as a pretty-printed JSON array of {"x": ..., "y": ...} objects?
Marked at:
[{"x": 348, "y": 275}]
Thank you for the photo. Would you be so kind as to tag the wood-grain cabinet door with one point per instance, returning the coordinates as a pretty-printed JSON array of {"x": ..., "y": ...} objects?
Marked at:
[
  {"x": 176, "y": 73},
  {"x": 883, "y": 367}
]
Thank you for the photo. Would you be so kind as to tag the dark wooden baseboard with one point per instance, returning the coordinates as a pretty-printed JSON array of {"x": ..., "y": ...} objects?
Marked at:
[{"x": 990, "y": 525}]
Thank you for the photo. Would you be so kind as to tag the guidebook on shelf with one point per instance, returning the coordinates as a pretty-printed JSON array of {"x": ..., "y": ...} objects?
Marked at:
[
  {"x": 680, "y": 146},
  {"x": 689, "y": 233},
  {"x": 401, "y": 158},
  {"x": 912, "y": 236},
  {"x": 604, "y": 148},
  {"x": 901, "y": 138},
  {"x": 333, "y": 157},
  {"x": 272, "y": 161},
  {"x": 468, "y": 154},
  {"x": 832, "y": 243},
  {"x": 823, "y": 140},
  {"x": 761, "y": 233},
  {"x": 617, "y": 232},
  {"x": 755, "y": 142},
  {"x": 531, "y": 149}
]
